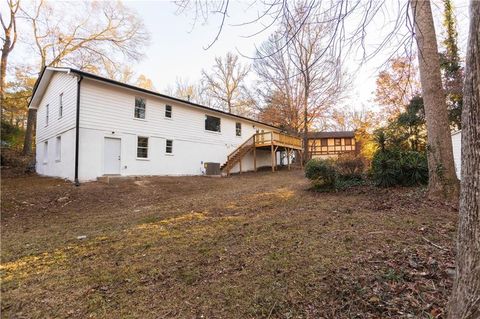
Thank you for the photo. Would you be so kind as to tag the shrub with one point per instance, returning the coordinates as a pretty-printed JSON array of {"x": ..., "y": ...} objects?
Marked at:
[
  {"x": 321, "y": 172},
  {"x": 385, "y": 168},
  {"x": 350, "y": 166},
  {"x": 414, "y": 168},
  {"x": 390, "y": 168}
]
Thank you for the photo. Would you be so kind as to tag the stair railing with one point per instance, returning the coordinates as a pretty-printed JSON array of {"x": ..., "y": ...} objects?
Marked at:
[{"x": 248, "y": 142}]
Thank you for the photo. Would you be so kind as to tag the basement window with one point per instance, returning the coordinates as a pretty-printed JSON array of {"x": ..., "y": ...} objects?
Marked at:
[
  {"x": 58, "y": 149},
  {"x": 45, "y": 152},
  {"x": 212, "y": 123},
  {"x": 168, "y": 111},
  {"x": 238, "y": 129},
  {"x": 142, "y": 147},
  {"x": 169, "y": 147},
  {"x": 139, "y": 108}
]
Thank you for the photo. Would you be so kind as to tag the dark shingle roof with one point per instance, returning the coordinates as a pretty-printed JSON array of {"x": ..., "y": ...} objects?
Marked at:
[{"x": 337, "y": 134}]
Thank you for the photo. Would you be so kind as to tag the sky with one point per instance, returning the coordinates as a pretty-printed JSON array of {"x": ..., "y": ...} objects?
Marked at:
[{"x": 177, "y": 49}]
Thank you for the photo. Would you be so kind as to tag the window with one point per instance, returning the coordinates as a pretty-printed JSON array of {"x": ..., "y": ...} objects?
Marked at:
[
  {"x": 338, "y": 142},
  {"x": 169, "y": 147},
  {"x": 324, "y": 142},
  {"x": 348, "y": 141},
  {"x": 212, "y": 123},
  {"x": 238, "y": 129},
  {"x": 45, "y": 152},
  {"x": 139, "y": 108},
  {"x": 47, "y": 114},
  {"x": 142, "y": 147},
  {"x": 60, "y": 106},
  {"x": 58, "y": 149},
  {"x": 168, "y": 111}
]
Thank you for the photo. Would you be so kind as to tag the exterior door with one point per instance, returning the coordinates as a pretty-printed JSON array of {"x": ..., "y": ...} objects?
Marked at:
[{"x": 111, "y": 156}]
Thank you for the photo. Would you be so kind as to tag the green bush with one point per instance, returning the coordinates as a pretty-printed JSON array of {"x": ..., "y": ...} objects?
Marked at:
[
  {"x": 414, "y": 168},
  {"x": 407, "y": 168},
  {"x": 321, "y": 172},
  {"x": 350, "y": 166},
  {"x": 11, "y": 136}
]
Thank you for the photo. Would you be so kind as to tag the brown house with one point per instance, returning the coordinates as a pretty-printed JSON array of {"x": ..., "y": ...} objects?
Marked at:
[{"x": 331, "y": 144}]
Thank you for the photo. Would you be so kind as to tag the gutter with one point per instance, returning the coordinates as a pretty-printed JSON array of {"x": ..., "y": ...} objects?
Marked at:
[{"x": 77, "y": 130}]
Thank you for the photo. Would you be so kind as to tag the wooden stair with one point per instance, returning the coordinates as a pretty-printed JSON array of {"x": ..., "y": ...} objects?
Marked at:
[
  {"x": 237, "y": 155},
  {"x": 271, "y": 141}
]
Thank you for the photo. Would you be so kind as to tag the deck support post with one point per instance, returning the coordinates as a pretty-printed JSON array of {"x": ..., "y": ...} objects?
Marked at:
[
  {"x": 240, "y": 163},
  {"x": 273, "y": 157},
  {"x": 288, "y": 158},
  {"x": 254, "y": 158}
]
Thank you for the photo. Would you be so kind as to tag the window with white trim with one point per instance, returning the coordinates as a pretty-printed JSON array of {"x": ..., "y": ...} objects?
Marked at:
[
  {"x": 169, "y": 147},
  {"x": 45, "y": 152},
  {"x": 47, "y": 114},
  {"x": 140, "y": 107},
  {"x": 58, "y": 149},
  {"x": 238, "y": 129},
  {"x": 168, "y": 111},
  {"x": 212, "y": 123},
  {"x": 142, "y": 147},
  {"x": 60, "y": 106}
]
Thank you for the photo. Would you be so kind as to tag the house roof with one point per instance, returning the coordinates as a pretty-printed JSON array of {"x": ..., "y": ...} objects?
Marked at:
[
  {"x": 337, "y": 134},
  {"x": 44, "y": 78}
]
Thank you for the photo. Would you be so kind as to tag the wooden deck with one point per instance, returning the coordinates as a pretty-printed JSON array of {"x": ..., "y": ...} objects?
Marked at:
[{"x": 273, "y": 141}]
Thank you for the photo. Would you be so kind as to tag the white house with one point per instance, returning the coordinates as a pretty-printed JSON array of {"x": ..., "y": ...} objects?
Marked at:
[
  {"x": 457, "y": 152},
  {"x": 89, "y": 126}
]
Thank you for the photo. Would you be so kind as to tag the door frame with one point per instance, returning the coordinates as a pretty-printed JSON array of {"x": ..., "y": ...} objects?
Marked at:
[{"x": 103, "y": 154}]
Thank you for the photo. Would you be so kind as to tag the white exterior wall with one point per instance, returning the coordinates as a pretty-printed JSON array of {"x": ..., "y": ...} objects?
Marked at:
[
  {"x": 108, "y": 111},
  {"x": 63, "y": 126},
  {"x": 457, "y": 152}
]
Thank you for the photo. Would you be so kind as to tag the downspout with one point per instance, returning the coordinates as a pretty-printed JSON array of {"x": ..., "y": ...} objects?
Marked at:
[{"x": 77, "y": 131}]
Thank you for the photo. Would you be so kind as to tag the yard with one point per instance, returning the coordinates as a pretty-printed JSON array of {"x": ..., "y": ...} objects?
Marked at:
[{"x": 250, "y": 246}]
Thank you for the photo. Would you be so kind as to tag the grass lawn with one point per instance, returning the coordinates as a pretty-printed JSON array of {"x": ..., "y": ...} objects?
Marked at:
[{"x": 249, "y": 246}]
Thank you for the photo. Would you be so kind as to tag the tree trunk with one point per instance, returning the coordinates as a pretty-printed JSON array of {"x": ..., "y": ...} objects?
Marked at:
[
  {"x": 3, "y": 67},
  {"x": 465, "y": 300},
  {"x": 442, "y": 180},
  {"x": 31, "y": 120},
  {"x": 306, "y": 153}
]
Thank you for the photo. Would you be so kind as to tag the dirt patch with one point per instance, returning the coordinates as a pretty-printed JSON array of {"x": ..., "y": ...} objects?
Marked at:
[{"x": 252, "y": 245}]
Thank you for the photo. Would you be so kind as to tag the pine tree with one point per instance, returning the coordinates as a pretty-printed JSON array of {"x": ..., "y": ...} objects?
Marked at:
[{"x": 452, "y": 70}]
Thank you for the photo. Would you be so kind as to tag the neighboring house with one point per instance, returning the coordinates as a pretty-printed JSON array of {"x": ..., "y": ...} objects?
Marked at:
[
  {"x": 457, "y": 152},
  {"x": 89, "y": 126},
  {"x": 331, "y": 144}
]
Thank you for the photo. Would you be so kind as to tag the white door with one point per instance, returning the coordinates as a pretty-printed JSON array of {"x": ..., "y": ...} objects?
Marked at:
[{"x": 111, "y": 156}]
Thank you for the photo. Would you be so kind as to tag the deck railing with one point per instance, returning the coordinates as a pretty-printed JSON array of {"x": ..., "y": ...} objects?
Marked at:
[{"x": 269, "y": 138}]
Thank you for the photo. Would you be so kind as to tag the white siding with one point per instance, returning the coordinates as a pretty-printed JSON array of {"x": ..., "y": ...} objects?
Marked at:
[
  {"x": 60, "y": 83},
  {"x": 50, "y": 165},
  {"x": 57, "y": 126},
  {"x": 108, "y": 111},
  {"x": 457, "y": 152}
]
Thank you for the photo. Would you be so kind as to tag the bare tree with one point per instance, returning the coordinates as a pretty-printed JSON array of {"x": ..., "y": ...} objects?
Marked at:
[
  {"x": 90, "y": 36},
  {"x": 396, "y": 86},
  {"x": 465, "y": 300},
  {"x": 225, "y": 83},
  {"x": 302, "y": 72},
  {"x": 9, "y": 39},
  {"x": 442, "y": 181}
]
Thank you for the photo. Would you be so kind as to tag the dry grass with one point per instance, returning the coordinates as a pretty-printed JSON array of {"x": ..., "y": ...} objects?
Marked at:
[{"x": 249, "y": 246}]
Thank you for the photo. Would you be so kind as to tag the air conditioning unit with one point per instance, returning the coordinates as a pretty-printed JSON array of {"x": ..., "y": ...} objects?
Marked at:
[{"x": 212, "y": 168}]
